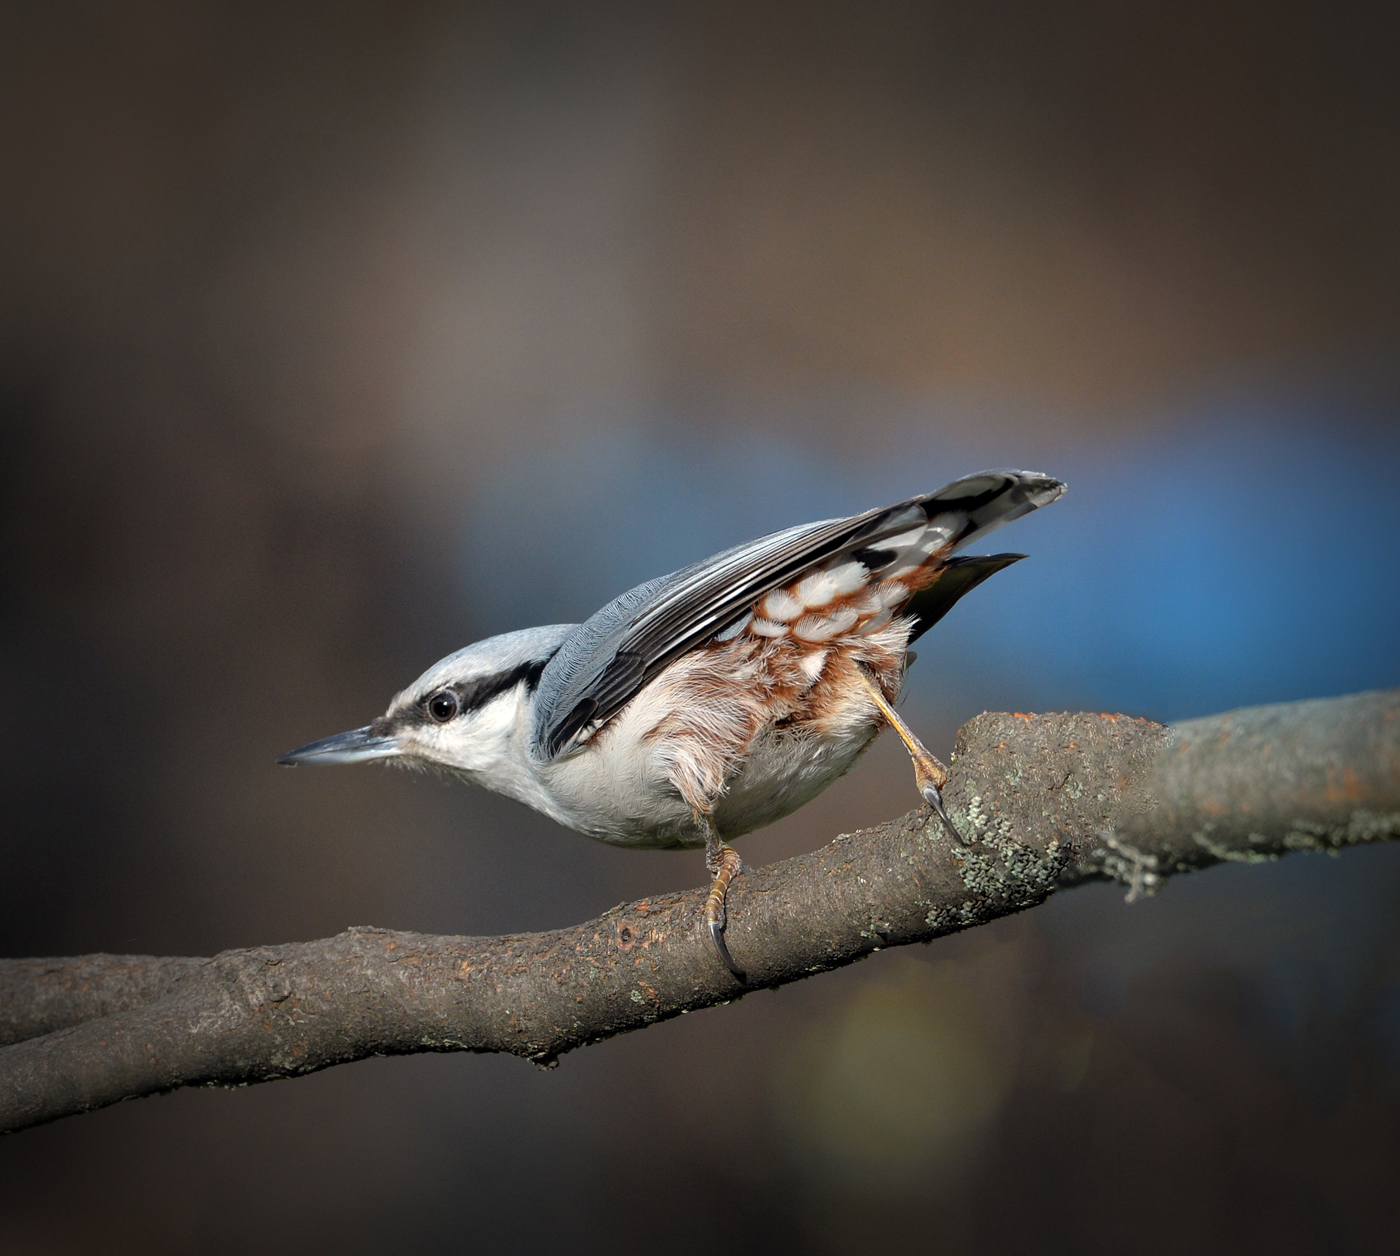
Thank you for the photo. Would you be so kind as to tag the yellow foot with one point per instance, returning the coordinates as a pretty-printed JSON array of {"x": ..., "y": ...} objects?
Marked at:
[
  {"x": 929, "y": 773},
  {"x": 723, "y": 861}
]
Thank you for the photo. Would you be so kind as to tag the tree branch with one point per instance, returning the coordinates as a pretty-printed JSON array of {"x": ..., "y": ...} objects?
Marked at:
[{"x": 1042, "y": 802}]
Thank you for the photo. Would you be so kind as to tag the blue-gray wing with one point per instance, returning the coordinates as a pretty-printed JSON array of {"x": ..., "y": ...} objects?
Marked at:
[{"x": 609, "y": 658}]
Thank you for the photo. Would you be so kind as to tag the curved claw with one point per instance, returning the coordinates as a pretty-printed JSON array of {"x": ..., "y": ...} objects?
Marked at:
[
  {"x": 717, "y": 937},
  {"x": 725, "y": 864},
  {"x": 934, "y": 797},
  {"x": 929, "y": 773}
]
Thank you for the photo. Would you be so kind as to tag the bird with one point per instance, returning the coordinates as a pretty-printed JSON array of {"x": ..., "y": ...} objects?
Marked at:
[{"x": 707, "y": 703}]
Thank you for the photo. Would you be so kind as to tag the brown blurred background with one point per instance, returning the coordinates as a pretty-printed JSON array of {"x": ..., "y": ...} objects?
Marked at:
[{"x": 335, "y": 336}]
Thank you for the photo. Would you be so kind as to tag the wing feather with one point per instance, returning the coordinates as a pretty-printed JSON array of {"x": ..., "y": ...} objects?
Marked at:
[{"x": 629, "y": 641}]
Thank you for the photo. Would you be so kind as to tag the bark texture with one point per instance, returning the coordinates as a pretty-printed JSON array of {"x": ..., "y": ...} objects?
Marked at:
[{"x": 1042, "y": 802}]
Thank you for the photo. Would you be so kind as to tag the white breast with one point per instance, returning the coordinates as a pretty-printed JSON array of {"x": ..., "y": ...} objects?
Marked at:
[{"x": 618, "y": 788}]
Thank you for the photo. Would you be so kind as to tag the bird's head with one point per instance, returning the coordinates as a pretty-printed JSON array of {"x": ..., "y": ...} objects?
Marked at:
[{"x": 461, "y": 715}]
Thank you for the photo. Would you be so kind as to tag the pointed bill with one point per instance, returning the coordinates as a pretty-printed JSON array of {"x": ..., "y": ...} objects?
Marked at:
[{"x": 357, "y": 746}]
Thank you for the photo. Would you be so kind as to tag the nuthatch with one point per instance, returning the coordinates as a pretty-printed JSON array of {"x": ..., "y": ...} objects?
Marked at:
[{"x": 705, "y": 704}]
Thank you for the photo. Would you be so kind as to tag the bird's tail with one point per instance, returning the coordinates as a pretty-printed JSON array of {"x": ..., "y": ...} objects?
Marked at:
[{"x": 919, "y": 543}]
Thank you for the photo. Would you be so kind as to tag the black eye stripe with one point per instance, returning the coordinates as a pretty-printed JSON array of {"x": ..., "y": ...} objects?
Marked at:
[
  {"x": 474, "y": 694},
  {"x": 479, "y": 692}
]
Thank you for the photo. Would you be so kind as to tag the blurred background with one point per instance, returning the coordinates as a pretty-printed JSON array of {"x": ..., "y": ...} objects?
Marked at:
[{"x": 335, "y": 336}]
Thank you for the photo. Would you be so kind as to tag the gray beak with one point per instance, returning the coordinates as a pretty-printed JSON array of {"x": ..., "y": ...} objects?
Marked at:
[{"x": 357, "y": 746}]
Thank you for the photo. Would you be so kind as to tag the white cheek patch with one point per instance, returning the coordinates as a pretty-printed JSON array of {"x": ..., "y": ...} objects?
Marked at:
[{"x": 473, "y": 740}]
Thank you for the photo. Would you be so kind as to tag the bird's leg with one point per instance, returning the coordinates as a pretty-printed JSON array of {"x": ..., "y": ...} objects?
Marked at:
[
  {"x": 723, "y": 862},
  {"x": 930, "y": 775}
]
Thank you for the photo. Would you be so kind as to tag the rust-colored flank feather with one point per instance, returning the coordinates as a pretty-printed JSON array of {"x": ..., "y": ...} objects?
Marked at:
[{"x": 793, "y": 665}]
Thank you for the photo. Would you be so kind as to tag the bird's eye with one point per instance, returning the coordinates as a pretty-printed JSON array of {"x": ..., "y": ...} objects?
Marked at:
[{"x": 443, "y": 706}]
